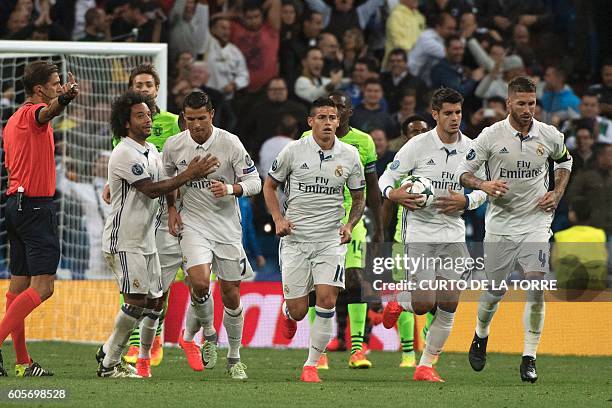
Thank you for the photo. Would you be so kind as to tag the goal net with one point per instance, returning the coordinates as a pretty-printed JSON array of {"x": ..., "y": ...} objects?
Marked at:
[{"x": 82, "y": 138}]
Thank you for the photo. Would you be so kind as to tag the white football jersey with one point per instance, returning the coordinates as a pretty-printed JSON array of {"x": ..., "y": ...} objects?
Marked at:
[
  {"x": 130, "y": 227},
  {"x": 523, "y": 163},
  {"x": 218, "y": 219},
  {"x": 425, "y": 155},
  {"x": 314, "y": 182}
]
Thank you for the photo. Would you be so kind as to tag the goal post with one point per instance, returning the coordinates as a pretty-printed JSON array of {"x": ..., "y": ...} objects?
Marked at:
[{"x": 82, "y": 135}]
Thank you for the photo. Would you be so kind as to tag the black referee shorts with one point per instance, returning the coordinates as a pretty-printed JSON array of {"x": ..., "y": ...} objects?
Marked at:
[{"x": 33, "y": 237}]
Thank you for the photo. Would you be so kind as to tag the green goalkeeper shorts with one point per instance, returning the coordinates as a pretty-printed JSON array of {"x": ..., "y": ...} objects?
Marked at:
[{"x": 355, "y": 253}]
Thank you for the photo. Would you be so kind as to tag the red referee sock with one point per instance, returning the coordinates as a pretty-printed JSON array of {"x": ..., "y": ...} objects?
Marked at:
[
  {"x": 18, "y": 335},
  {"x": 19, "y": 309}
]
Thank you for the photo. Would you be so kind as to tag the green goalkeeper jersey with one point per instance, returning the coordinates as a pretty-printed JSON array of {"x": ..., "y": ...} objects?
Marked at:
[
  {"x": 367, "y": 153},
  {"x": 165, "y": 124}
]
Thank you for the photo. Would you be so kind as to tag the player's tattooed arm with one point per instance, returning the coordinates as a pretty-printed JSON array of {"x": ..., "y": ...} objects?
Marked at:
[
  {"x": 355, "y": 214},
  {"x": 551, "y": 199},
  {"x": 373, "y": 198},
  {"x": 198, "y": 168},
  {"x": 283, "y": 225},
  {"x": 494, "y": 188}
]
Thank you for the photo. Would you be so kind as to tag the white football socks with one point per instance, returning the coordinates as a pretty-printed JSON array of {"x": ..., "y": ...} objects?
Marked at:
[
  {"x": 487, "y": 306},
  {"x": 126, "y": 320},
  {"x": 233, "y": 321},
  {"x": 533, "y": 321},
  {"x": 200, "y": 313},
  {"x": 320, "y": 334},
  {"x": 436, "y": 336},
  {"x": 148, "y": 326}
]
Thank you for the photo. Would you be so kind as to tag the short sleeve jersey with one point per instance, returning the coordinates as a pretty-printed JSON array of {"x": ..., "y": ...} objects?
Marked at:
[
  {"x": 523, "y": 163},
  {"x": 367, "y": 154},
  {"x": 218, "y": 219},
  {"x": 130, "y": 225},
  {"x": 314, "y": 182},
  {"x": 425, "y": 155},
  {"x": 29, "y": 153}
]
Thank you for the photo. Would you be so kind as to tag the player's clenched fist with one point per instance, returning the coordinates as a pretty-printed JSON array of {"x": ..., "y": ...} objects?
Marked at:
[
  {"x": 494, "y": 188},
  {"x": 345, "y": 234},
  {"x": 283, "y": 227},
  {"x": 202, "y": 166},
  {"x": 218, "y": 188}
]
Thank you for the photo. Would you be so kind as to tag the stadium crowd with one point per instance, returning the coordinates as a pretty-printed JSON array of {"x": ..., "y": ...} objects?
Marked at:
[{"x": 264, "y": 62}]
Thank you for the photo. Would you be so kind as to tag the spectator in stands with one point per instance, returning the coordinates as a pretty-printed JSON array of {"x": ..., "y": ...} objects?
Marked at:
[
  {"x": 493, "y": 111},
  {"x": 404, "y": 25},
  {"x": 450, "y": 72},
  {"x": 456, "y": 8},
  {"x": 259, "y": 41},
  {"x": 198, "y": 79},
  {"x": 429, "y": 48},
  {"x": 384, "y": 155},
  {"x": 370, "y": 114},
  {"x": 292, "y": 53},
  {"x": 227, "y": 65},
  {"x": 414, "y": 125},
  {"x": 188, "y": 27},
  {"x": 502, "y": 14},
  {"x": 559, "y": 101},
  {"x": 354, "y": 48},
  {"x": 495, "y": 83},
  {"x": 521, "y": 46},
  {"x": 589, "y": 113},
  {"x": 583, "y": 153},
  {"x": 311, "y": 84},
  {"x": 332, "y": 55},
  {"x": 364, "y": 69},
  {"x": 149, "y": 29},
  {"x": 290, "y": 17},
  {"x": 343, "y": 15},
  {"x": 97, "y": 25},
  {"x": 264, "y": 118},
  {"x": 286, "y": 131},
  {"x": 596, "y": 185},
  {"x": 407, "y": 109},
  {"x": 180, "y": 71},
  {"x": 17, "y": 21},
  {"x": 398, "y": 81},
  {"x": 604, "y": 89}
]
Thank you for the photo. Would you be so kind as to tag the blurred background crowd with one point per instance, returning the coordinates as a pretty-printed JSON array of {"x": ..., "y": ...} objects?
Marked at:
[{"x": 263, "y": 62}]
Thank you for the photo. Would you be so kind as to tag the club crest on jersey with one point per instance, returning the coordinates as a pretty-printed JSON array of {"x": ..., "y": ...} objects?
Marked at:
[
  {"x": 471, "y": 155},
  {"x": 248, "y": 160},
  {"x": 540, "y": 150},
  {"x": 286, "y": 289},
  {"x": 339, "y": 171},
  {"x": 274, "y": 165},
  {"x": 136, "y": 283},
  {"x": 157, "y": 131},
  {"x": 137, "y": 169},
  {"x": 395, "y": 165}
]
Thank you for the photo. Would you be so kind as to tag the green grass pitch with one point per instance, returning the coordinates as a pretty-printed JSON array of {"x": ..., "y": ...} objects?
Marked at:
[{"x": 274, "y": 382}]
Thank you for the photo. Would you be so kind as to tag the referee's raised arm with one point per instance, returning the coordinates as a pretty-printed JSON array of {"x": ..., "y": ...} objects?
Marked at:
[{"x": 31, "y": 221}]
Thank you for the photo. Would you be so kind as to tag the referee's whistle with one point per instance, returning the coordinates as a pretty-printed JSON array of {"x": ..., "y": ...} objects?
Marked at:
[{"x": 20, "y": 192}]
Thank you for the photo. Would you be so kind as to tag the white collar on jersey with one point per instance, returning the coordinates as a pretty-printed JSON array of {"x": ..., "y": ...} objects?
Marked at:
[
  {"x": 533, "y": 130},
  {"x": 206, "y": 144},
  {"x": 315, "y": 146},
  {"x": 460, "y": 146},
  {"x": 134, "y": 144}
]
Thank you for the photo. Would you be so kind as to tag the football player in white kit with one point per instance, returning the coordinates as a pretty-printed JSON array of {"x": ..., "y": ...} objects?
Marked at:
[
  {"x": 515, "y": 154},
  {"x": 136, "y": 180},
  {"x": 437, "y": 231},
  {"x": 209, "y": 229},
  {"x": 315, "y": 171}
]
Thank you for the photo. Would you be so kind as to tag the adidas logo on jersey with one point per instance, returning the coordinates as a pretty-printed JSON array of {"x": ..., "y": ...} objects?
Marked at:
[
  {"x": 431, "y": 162},
  {"x": 305, "y": 166},
  {"x": 182, "y": 163},
  {"x": 503, "y": 150}
]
